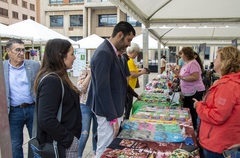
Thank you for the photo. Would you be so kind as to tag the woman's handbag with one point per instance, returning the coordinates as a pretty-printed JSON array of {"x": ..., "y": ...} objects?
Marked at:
[{"x": 46, "y": 150}]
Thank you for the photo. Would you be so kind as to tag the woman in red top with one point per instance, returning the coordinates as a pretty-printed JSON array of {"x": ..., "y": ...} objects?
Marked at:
[{"x": 219, "y": 111}]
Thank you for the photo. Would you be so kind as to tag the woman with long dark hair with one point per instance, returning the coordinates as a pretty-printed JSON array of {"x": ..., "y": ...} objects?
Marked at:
[{"x": 58, "y": 57}]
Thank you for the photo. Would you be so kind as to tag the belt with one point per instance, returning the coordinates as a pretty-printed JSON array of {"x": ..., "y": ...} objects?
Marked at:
[{"x": 23, "y": 105}]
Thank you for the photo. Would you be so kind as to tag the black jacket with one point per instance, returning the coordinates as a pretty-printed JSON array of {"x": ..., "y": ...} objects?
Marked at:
[
  {"x": 108, "y": 88},
  {"x": 49, "y": 98}
]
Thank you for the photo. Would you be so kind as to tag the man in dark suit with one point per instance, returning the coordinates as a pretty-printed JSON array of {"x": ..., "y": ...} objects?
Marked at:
[
  {"x": 19, "y": 75},
  {"x": 108, "y": 88}
]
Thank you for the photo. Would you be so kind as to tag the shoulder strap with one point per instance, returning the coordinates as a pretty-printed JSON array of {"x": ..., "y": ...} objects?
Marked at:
[{"x": 59, "y": 115}]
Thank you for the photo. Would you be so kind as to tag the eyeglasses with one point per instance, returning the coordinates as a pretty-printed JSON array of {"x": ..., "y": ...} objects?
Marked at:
[{"x": 19, "y": 50}]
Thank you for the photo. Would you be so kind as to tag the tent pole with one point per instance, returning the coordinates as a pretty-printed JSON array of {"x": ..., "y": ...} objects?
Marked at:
[
  {"x": 145, "y": 55},
  {"x": 159, "y": 56}
]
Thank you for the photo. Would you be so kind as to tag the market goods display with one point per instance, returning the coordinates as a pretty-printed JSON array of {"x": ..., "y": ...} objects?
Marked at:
[
  {"x": 151, "y": 131},
  {"x": 161, "y": 114}
]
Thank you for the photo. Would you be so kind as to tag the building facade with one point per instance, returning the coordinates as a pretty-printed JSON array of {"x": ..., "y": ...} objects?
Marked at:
[
  {"x": 12, "y": 11},
  {"x": 77, "y": 19}
]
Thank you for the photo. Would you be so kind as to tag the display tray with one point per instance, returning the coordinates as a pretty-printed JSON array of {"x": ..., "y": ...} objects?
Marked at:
[
  {"x": 130, "y": 148},
  {"x": 151, "y": 131},
  {"x": 161, "y": 114}
]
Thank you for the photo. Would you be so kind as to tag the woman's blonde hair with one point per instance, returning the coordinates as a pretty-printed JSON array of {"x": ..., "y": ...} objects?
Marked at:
[{"x": 230, "y": 59}]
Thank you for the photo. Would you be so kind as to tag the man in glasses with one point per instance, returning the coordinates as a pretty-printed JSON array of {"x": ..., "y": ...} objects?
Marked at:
[{"x": 19, "y": 75}]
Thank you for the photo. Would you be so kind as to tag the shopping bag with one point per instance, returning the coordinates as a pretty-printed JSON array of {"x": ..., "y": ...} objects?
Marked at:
[{"x": 46, "y": 150}]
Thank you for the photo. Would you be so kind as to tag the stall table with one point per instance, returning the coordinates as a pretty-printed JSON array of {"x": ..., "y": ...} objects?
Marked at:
[
  {"x": 159, "y": 99},
  {"x": 131, "y": 148},
  {"x": 157, "y": 142}
]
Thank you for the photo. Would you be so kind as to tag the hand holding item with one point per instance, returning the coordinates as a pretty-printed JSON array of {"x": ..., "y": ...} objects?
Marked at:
[
  {"x": 234, "y": 146},
  {"x": 88, "y": 71},
  {"x": 195, "y": 102},
  {"x": 172, "y": 67},
  {"x": 139, "y": 98},
  {"x": 148, "y": 70},
  {"x": 115, "y": 126},
  {"x": 144, "y": 71},
  {"x": 181, "y": 77},
  {"x": 231, "y": 151}
]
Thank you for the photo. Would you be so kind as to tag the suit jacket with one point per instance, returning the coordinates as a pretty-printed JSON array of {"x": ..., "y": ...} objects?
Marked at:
[
  {"x": 32, "y": 67},
  {"x": 108, "y": 88},
  {"x": 48, "y": 101}
]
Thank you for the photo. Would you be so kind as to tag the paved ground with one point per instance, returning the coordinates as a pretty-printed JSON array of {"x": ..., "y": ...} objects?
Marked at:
[{"x": 87, "y": 152}]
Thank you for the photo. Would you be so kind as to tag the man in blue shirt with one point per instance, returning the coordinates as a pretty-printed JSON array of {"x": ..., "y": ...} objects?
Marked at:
[{"x": 19, "y": 76}]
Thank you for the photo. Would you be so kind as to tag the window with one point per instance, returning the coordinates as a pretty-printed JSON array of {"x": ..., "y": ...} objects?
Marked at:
[
  {"x": 75, "y": 1},
  {"x": 24, "y": 17},
  {"x": 15, "y": 15},
  {"x": 76, "y": 20},
  {"x": 55, "y": 1},
  {"x": 76, "y": 38},
  {"x": 172, "y": 54},
  {"x": 32, "y": 7},
  {"x": 207, "y": 53},
  {"x": 33, "y": 18},
  {"x": 107, "y": 20},
  {"x": 133, "y": 22},
  {"x": 14, "y": 2},
  {"x": 4, "y": 12},
  {"x": 24, "y": 4},
  {"x": 56, "y": 21}
]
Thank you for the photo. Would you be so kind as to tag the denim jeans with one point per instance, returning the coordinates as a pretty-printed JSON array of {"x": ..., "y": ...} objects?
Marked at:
[
  {"x": 210, "y": 154},
  {"x": 18, "y": 117},
  {"x": 87, "y": 116}
]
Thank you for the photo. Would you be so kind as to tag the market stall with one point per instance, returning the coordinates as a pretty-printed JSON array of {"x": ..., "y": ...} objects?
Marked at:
[
  {"x": 156, "y": 136},
  {"x": 157, "y": 127},
  {"x": 163, "y": 90}
]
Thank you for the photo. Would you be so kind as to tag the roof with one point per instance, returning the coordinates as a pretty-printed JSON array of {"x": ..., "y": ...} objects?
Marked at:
[{"x": 175, "y": 22}]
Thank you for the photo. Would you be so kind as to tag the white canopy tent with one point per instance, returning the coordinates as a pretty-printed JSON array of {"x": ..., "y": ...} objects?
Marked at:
[
  {"x": 9, "y": 33},
  {"x": 90, "y": 42},
  {"x": 38, "y": 32},
  {"x": 152, "y": 43},
  {"x": 186, "y": 22},
  {"x": 6, "y": 33}
]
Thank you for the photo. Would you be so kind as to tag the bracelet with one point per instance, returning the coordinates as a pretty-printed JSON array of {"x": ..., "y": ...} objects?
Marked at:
[{"x": 113, "y": 121}]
